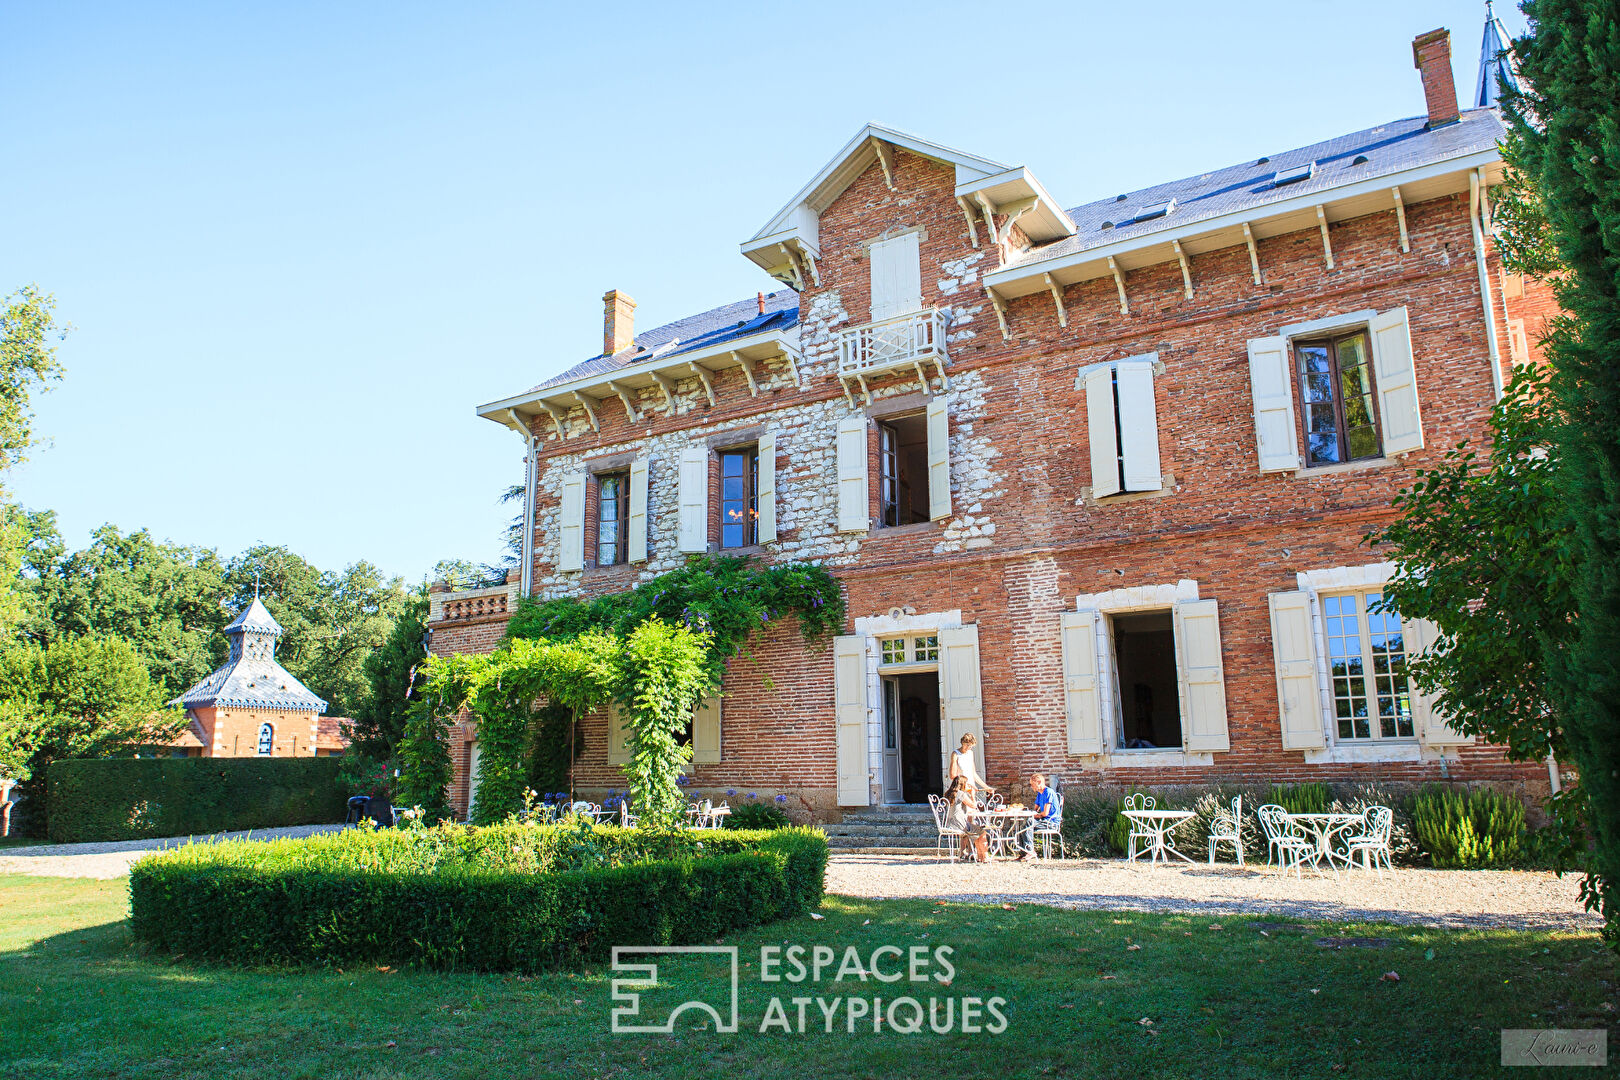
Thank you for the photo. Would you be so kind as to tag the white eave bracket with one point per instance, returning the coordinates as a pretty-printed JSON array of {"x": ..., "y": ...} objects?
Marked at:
[
  {"x": 558, "y": 417},
  {"x": 1186, "y": 270},
  {"x": 747, "y": 366},
  {"x": 590, "y": 412},
  {"x": 667, "y": 385},
  {"x": 1057, "y": 299},
  {"x": 1254, "y": 252},
  {"x": 625, "y": 395},
  {"x": 702, "y": 375},
  {"x": 885, "y": 158},
  {"x": 1327, "y": 245},
  {"x": 967, "y": 212},
  {"x": 1001, "y": 312},
  {"x": 1400, "y": 219},
  {"x": 1119, "y": 281}
]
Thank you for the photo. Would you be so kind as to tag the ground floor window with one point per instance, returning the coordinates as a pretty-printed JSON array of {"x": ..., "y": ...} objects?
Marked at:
[
  {"x": 1149, "y": 699},
  {"x": 1367, "y": 665}
]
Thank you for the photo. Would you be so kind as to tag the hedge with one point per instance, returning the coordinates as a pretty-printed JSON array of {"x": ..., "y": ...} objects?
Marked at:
[
  {"x": 135, "y": 798},
  {"x": 458, "y": 898}
]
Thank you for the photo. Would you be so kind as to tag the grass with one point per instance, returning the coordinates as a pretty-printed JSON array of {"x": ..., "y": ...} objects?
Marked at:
[{"x": 1255, "y": 998}]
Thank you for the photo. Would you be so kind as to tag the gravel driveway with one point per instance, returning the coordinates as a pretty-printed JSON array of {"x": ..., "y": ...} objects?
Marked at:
[
  {"x": 113, "y": 859},
  {"x": 1445, "y": 898}
]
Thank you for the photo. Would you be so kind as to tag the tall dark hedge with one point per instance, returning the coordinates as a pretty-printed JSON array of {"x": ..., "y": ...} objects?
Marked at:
[{"x": 136, "y": 798}]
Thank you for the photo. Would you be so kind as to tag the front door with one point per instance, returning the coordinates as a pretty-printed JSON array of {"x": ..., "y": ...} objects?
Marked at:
[{"x": 892, "y": 792}]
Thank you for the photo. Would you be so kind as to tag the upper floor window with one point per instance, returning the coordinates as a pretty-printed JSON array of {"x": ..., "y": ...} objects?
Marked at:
[
  {"x": 1367, "y": 664},
  {"x": 739, "y": 497},
  {"x": 612, "y": 519},
  {"x": 896, "y": 276},
  {"x": 903, "y": 471},
  {"x": 1337, "y": 394},
  {"x": 267, "y": 740}
]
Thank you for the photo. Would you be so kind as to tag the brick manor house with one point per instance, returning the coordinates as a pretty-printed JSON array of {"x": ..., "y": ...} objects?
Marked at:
[{"x": 1094, "y": 480}]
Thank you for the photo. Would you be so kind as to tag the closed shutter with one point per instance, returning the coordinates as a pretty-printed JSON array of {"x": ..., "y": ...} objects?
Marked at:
[
  {"x": 1293, "y": 650},
  {"x": 896, "y": 277},
  {"x": 1138, "y": 427},
  {"x": 706, "y": 732},
  {"x": 849, "y": 702},
  {"x": 1081, "y": 699},
  {"x": 694, "y": 499},
  {"x": 961, "y": 703},
  {"x": 1202, "y": 676},
  {"x": 1104, "y": 437},
  {"x": 939, "y": 460},
  {"x": 767, "y": 488},
  {"x": 618, "y": 734},
  {"x": 854, "y": 514},
  {"x": 571, "y": 552},
  {"x": 1271, "y": 381},
  {"x": 1400, "y": 422},
  {"x": 1419, "y": 636},
  {"x": 638, "y": 510}
]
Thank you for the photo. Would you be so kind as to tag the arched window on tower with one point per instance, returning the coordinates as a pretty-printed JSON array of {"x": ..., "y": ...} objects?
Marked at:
[{"x": 267, "y": 739}]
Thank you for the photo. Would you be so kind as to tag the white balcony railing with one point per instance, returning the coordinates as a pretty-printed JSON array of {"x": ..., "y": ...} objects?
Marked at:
[{"x": 900, "y": 341}]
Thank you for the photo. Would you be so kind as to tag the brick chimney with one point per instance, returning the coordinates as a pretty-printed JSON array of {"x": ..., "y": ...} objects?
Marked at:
[
  {"x": 619, "y": 321},
  {"x": 1431, "y": 55}
]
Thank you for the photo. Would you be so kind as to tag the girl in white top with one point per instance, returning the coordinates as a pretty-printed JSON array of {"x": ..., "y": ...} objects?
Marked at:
[{"x": 962, "y": 765}]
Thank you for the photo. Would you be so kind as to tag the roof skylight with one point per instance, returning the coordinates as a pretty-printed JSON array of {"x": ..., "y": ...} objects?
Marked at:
[
  {"x": 1294, "y": 175},
  {"x": 1154, "y": 210}
]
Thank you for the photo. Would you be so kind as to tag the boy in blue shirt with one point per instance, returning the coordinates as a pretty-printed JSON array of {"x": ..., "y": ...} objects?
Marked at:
[{"x": 1045, "y": 814}]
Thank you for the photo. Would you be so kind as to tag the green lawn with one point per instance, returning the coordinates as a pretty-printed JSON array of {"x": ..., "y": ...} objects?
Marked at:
[{"x": 1256, "y": 998}]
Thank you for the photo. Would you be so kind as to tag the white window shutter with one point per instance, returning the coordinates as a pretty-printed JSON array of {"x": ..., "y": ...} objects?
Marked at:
[
  {"x": 638, "y": 510},
  {"x": 1293, "y": 650},
  {"x": 1202, "y": 676},
  {"x": 1419, "y": 636},
  {"x": 849, "y": 703},
  {"x": 939, "y": 460},
  {"x": 1080, "y": 683},
  {"x": 694, "y": 499},
  {"x": 706, "y": 732},
  {"x": 1399, "y": 419},
  {"x": 618, "y": 734},
  {"x": 766, "y": 525},
  {"x": 571, "y": 550},
  {"x": 1104, "y": 437},
  {"x": 1271, "y": 381},
  {"x": 896, "y": 276},
  {"x": 960, "y": 700},
  {"x": 854, "y": 513},
  {"x": 1138, "y": 427}
]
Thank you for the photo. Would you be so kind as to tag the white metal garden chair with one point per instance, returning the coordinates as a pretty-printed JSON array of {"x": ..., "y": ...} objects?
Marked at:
[
  {"x": 1139, "y": 830},
  {"x": 1373, "y": 840},
  {"x": 1227, "y": 828},
  {"x": 1051, "y": 829},
  {"x": 946, "y": 832},
  {"x": 1290, "y": 848}
]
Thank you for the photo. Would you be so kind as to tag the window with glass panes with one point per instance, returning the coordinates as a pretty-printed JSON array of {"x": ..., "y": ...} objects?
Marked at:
[
  {"x": 612, "y": 519},
  {"x": 920, "y": 649},
  {"x": 1367, "y": 665},
  {"x": 739, "y": 507},
  {"x": 1336, "y": 397}
]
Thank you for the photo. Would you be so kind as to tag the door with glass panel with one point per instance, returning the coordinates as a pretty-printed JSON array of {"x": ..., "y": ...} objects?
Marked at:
[
  {"x": 892, "y": 792},
  {"x": 1372, "y": 699}
]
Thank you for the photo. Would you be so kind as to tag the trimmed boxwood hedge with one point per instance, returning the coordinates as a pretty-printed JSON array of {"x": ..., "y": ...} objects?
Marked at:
[
  {"x": 136, "y": 798},
  {"x": 460, "y": 898}
]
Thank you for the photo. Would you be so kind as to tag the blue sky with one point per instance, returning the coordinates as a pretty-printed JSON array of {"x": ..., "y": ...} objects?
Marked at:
[{"x": 300, "y": 243}]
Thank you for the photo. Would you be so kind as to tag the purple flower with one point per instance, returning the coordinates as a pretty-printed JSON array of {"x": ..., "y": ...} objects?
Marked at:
[
  {"x": 753, "y": 794},
  {"x": 781, "y": 798},
  {"x": 731, "y": 792}
]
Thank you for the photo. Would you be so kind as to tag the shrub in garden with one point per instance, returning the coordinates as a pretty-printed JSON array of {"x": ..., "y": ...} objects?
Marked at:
[
  {"x": 1302, "y": 798},
  {"x": 1479, "y": 829},
  {"x": 756, "y": 815}
]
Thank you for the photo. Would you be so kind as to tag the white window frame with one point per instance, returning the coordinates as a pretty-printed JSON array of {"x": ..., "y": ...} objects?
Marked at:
[
  {"x": 1138, "y": 449},
  {"x": 1369, "y": 686},
  {"x": 879, "y": 628}
]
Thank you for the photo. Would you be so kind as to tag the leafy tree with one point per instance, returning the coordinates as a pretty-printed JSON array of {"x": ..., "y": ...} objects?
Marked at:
[
  {"x": 28, "y": 363},
  {"x": 1564, "y": 213},
  {"x": 396, "y": 677}
]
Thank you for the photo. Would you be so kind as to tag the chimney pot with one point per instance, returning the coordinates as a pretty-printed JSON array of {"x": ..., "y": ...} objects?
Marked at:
[
  {"x": 618, "y": 321},
  {"x": 762, "y": 303},
  {"x": 1431, "y": 55}
]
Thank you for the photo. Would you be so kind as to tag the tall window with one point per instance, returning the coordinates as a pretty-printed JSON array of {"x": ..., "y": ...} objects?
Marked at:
[
  {"x": 739, "y": 499},
  {"x": 267, "y": 740},
  {"x": 1367, "y": 662},
  {"x": 1336, "y": 390},
  {"x": 612, "y": 519},
  {"x": 903, "y": 471}
]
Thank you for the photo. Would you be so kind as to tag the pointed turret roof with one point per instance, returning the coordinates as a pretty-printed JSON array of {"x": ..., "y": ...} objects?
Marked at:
[
  {"x": 1495, "y": 63},
  {"x": 254, "y": 617},
  {"x": 251, "y": 677}
]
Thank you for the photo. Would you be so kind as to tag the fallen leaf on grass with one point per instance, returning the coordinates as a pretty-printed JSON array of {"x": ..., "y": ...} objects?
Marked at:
[
  {"x": 816, "y": 917},
  {"x": 1153, "y": 1033},
  {"x": 384, "y": 969},
  {"x": 1145, "y": 1021},
  {"x": 1008, "y": 907},
  {"x": 1065, "y": 1006},
  {"x": 390, "y": 1044},
  {"x": 1218, "y": 926},
  {"x": 1110, "y": 976},
  {"x": 868, "y": 922},
  {"x": 1315, "y": 991},
  {"x": 1264, "y": 934},
  {"x": 1132, "y": 948},
  {"x": 1390, "y": 976}
]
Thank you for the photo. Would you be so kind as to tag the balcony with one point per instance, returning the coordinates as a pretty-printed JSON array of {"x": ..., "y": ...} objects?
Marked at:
[{"x": 893, "y": 344}]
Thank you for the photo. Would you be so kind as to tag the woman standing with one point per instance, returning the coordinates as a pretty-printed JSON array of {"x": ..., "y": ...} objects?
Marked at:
[{"x": 963, "y": 767}]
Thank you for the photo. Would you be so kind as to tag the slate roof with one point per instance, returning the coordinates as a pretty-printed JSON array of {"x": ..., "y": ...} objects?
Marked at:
[
  {"x": 252, "y": 682},
  {"x": 717, "y": 326},
  {"x": 1387, "y": 148},
  {"x": 255, "y": 617}
]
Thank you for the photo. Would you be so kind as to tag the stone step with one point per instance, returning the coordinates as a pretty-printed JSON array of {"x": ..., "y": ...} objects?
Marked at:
[
  {"x": 861, "y": 828},
  {"x": 881, "y": 814},
  {"x": 899, "y": 843}
]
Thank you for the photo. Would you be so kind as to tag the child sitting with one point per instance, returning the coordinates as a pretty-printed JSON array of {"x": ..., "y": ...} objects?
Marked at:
[
  {"x": 960, "y": 815},
  {"x": 1045, "y": 815}
]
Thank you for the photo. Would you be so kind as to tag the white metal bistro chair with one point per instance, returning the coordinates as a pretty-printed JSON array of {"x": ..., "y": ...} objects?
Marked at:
[
  {"x": 1290, "y": 848},
  {"x": 586, "y": 809},
  {"x": 1051, "y": 829},
  {"x": 1139, "y": 830},
  {"x": 946, "y": 832},
  {"x": 1227, "y": 828},
  {"x": 1373, "y": 840}
]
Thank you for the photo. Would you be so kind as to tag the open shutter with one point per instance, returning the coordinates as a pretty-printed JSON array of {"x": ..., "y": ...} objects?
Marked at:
[
  {"x": 706, "y": 732},
  {"x": 849, "y": 700},
  {"x": 854, "y": 515},
  {"x": 961, "y": 703},
  {"x": 638, "y": 510},
  {"x": 618, "y": 735},
  {"x": 939, "y": 460},
  {"x": 1104, "y": 437},
  {"x": 1202, "y": 678},
  {"x": 766, "y": 525},
  {"x": 1138, "y": 427},
  {"x": 694, "y": 506},
  {"x": 1400, "y": 422},
  {"x": 1081, "y": 699},
  {"x": 896, "y": 276},
  {"x": 1293, "y": 650},
  {"x": 1419, "y": 636},
  {"x": 571, "y": 552},
  {"x": 1271, "y": 382}
]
